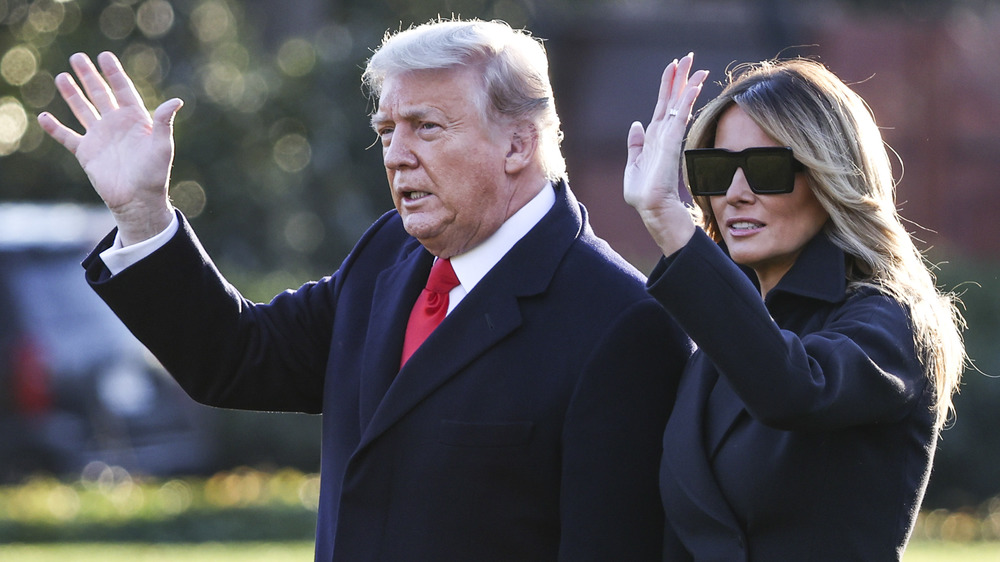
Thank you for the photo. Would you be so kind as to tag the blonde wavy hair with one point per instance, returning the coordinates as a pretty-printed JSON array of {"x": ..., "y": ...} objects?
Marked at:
[
  {"x": 831, "y": 130},
  {"x": 513, "y": 65}
]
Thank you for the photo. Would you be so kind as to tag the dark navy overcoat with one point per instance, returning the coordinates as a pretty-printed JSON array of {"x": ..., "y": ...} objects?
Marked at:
[
  {"x": 527, "y": 427},
  {"x": 803, "y": 427}
]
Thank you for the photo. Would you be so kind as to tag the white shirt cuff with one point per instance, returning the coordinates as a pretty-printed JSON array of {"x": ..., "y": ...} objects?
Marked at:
[{"x": 118, "y": 257}]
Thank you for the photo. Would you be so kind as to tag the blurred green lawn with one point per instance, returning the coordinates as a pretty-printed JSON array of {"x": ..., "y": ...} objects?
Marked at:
[
  {"x": 943, "y": 551},
  {"x": 302, "y": 551},
  {"x": 299, "y": 551}
]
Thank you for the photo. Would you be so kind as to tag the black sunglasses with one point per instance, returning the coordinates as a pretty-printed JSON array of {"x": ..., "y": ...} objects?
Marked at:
[{"x": 768, "y": 169}]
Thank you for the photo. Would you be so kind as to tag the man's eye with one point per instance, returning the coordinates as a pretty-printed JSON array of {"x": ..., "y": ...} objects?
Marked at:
[{"x": 429, "y": 126}]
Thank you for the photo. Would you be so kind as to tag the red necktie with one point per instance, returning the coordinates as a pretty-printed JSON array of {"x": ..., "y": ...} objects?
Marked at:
[{"x": 430, "y": 308}]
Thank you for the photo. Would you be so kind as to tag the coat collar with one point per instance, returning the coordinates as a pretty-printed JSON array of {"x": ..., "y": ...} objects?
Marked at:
[
  {"x": 485, "y": 316},
  {"x": 820, "y": 272}
]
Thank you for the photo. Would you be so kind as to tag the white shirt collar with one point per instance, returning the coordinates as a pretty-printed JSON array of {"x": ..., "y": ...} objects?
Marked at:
[{"x": 473, "y": 265}]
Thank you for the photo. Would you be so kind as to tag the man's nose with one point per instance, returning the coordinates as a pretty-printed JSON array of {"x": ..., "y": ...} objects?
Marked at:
[{"x": 398, "y": 153}]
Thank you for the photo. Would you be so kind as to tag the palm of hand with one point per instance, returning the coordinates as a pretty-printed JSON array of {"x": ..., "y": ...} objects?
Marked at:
[
  {"x": 125, "y": 152},
  {"x": 121, "y": 157},
  {"x": 651, "y": 178}
]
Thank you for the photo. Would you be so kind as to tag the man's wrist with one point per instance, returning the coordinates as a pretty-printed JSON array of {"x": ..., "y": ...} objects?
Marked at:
[
  {"x": 138, "y": 225},
  {"x": 119, "y": 257}
]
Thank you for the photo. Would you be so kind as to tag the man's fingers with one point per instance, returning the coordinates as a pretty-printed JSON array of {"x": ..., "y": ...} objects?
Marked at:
[
  {"x": 163, "y": 118},
  {"x": 93, "y": 83},
  {"x": 78, "y": 103},
  {"x": 61, "y": 133},
  {"x": 123, "y": 89}
]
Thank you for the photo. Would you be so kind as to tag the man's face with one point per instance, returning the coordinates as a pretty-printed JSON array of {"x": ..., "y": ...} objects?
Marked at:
[{"x": 444, "y": 159}]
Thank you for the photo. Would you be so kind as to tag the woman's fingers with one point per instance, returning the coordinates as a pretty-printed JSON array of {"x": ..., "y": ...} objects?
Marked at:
[
  {"x": 694, "y": 86},
  {"x": 663, "y": 96},
  {"x": 636, "y": 140},
  {"x": 681, "y": 75},
  {"x": 677, "y": 92}
]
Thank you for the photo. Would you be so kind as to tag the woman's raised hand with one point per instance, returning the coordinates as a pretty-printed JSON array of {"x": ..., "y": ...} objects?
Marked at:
[
  {"x": 126, "y": 152},
  {"x": 653, "y": 166}
]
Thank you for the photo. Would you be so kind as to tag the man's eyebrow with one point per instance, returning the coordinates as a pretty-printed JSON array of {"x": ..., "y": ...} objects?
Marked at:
[
  {"x": 378, "y": 119},
  {"x": 415, "y": 114}
]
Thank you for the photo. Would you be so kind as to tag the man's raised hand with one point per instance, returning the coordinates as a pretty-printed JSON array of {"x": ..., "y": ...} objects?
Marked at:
[{"x": 126, "y": 152}]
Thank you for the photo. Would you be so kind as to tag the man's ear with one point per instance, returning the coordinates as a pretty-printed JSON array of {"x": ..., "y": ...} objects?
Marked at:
[{"x": 523, "y": 146}]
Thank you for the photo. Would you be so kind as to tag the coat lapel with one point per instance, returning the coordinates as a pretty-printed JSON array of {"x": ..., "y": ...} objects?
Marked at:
[
  {"x": 396, "y": 290},
  {"x": 464, "y": 335},
  {"x": 488, "y": 314},
  {"x": 726, "y": 408},
  {"x": 684, "y": 447}
]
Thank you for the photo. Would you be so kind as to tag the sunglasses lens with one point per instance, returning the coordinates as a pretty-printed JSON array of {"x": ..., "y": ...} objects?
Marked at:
[
  {"x": 770, "y": 171},
  {"x": 710, "y": 173}
]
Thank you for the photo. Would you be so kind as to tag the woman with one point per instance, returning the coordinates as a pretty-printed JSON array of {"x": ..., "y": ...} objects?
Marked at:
[{"x": 806, "y": 422}]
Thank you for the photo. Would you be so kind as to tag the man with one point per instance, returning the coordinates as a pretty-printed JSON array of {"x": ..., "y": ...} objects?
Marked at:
[{"x": 527, "y": 426}]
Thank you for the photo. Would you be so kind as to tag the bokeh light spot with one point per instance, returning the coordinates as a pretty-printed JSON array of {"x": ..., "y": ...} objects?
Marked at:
[
  {"x": 46, "y": 16},
  {"x": 155, "y": 18},
  {"x": 189, "y": 197},
  {"x": 309, "y": 493},
  {"x": 212, "y": 21},
  {"x": 231, "y": 52},
  {"x": 255, "y": 93},
  {"x": 40, "y": 90},
  {"x": 13, "y": 124},
  {"x": 174, "y": 497},
  {"x": 117, "y": 21},
  {"x": 144, "y": 62},
  {"x": 334, "y": 42},
  {"x": 304, "y": 232},
  {"x": 72, "y": 16},
  {"x": 292, "y": 152},
  {"x": 19, "y": 65},
  {"x": 32, "y": 138},
  {"x": 296, "y": 57},
  {"x": 223, "y": 83},
  {"x": 63, "y": 502}
]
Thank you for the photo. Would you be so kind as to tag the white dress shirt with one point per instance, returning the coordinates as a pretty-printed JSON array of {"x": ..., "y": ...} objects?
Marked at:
[{"x": 473, "y": 265}]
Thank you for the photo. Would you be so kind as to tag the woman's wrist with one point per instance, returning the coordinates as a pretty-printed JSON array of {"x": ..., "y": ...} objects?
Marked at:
[{"x": 670, "y": 226}]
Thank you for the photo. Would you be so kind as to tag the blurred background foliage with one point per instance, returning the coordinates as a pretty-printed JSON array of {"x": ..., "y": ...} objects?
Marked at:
[{"x": 276, "y": 167}]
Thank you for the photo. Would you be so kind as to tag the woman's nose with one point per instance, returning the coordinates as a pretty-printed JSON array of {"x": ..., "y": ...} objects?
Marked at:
[{"x": 739, "y": 189}]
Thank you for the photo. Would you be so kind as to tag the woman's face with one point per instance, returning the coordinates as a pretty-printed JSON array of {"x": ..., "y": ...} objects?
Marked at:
[{"x": 763, "y": 232}]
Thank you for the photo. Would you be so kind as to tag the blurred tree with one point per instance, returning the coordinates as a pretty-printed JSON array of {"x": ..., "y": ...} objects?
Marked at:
[
  {"x": 271, "y": 156},
  {"x": 274, "y": 158},
  {"x": 967, "y": 464}
]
